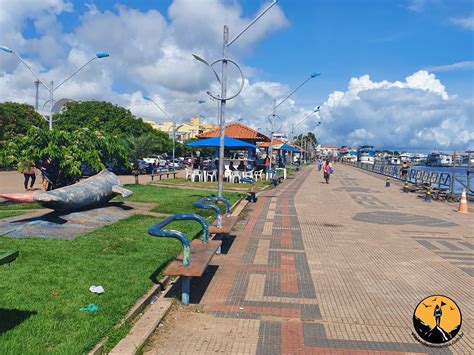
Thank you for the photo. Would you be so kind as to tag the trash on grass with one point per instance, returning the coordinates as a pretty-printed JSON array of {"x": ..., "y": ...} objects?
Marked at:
[
  {"x": 97, "y": 289},
  {"x": 91, "y": 307}
]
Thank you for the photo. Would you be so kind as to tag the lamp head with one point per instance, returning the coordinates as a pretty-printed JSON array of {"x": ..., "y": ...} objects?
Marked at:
[
  {"x": 102, "y": 55},
  {"x": 315, "y": 74},
  {"x": 201, "y": 101},
  {"x": 6, "y": 49},
  {"x": 198, "y": 58}
]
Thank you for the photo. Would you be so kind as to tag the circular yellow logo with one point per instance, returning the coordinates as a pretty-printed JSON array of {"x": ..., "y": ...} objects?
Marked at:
[{"x": 437, "y": 319}]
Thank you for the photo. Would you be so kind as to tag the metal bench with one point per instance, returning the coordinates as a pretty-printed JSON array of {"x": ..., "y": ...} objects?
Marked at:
[
  {"x": 7, "y": 256},
  {"x": 222, "y": 225},
  {"x": 161, "y": 173},
  {"x": 193, "y": 261}
]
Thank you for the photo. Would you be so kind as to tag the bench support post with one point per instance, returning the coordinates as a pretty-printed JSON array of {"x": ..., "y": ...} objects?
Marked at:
[{"x": 185, "y": 289}]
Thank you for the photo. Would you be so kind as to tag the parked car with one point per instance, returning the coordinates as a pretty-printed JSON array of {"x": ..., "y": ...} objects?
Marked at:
[
  {"x": 178, "y": 164},
  {"x": 142, "y": 166}
]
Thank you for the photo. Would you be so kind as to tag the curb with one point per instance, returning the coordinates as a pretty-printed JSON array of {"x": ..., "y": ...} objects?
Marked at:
[{"x": 138, "y": 308}]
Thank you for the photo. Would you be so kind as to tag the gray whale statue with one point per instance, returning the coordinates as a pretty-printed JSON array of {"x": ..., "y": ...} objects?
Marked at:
[{"x": 88, "y": 193}]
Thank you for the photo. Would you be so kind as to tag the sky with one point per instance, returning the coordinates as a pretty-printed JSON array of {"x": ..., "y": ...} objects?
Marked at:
[{"x": 396, "y": 74}]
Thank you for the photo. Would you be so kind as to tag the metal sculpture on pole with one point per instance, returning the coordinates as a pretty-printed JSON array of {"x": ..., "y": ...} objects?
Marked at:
[{"x": 274, "y": 115}]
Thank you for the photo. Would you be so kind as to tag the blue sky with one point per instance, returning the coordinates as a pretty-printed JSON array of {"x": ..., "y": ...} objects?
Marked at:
[{"x": 407, "y": 58}]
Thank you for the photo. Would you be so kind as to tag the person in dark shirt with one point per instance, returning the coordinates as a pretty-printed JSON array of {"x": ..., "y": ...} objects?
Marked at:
[
  {"x": 231, "y": 166},
  {"x": 197, "y": 163},
  {"x": 241, "y": 166}
]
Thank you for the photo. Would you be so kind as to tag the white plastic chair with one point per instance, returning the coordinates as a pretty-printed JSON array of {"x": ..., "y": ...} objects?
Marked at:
[
  {"x": 188, "y": 174},
  {"x": 212, "y": 175},
  {"x": 227, "y": 175},
  {"x": 197, "y": 173},
  {"x": 248, "y": 174},
  {"x": 258, "y": 174},
  {"x": 235, "y": 175}
]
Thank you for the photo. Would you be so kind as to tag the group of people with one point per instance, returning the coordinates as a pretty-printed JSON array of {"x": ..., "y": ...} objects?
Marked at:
[
  {"x": 48, "y": 172},
  {"x": 240, "y": 167}
]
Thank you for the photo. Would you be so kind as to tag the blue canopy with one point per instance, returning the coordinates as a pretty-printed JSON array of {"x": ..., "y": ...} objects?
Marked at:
[
  {"x": 215, "y": 142},
  {"x": 289, "y": 148}
]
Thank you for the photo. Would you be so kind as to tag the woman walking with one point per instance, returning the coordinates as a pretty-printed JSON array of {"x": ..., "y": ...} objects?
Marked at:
[
  {"x": 327, "y": 171},
  {"x": 29, "y": 173}
]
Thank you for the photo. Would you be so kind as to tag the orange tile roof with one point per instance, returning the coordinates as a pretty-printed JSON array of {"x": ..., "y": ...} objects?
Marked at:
[
  {"x": 237, "y": 131},
  {"x": 276, "y": 142}
]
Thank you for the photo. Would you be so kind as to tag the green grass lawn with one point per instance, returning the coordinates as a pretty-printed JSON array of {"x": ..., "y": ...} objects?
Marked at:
[
  {"x": 49, "y": 282},
  {"x": 19, "y": 206},
  {"x": 6, "y": 214},
  {"x": 213, "y": 185},
  {"x": 16, "y": 209},
  {"x": 172, "y": 200},
  {"x": 41, "y": 292}
]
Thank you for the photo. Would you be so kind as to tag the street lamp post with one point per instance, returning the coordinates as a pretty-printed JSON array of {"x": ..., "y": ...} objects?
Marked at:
[
  {"x": 222, "y": 98},
  {"x": 275, "y": 106},
  {"x": 51, "y": 89},
  {"x": 148, "y": 98},
  {"x": 293, "y": 126}
]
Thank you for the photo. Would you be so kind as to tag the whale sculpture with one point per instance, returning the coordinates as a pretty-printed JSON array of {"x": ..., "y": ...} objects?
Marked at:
[{"x": 89, "y": 193}]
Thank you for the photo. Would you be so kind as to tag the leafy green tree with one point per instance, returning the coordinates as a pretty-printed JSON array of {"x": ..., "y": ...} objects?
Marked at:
[
  {"x": 67, "y": 149},
  {"x": 103, "y": 116},
  {"x": 17, "y": 118},
  {"x": 149, "y": 144},
  {"x": 309, "y": 137}
]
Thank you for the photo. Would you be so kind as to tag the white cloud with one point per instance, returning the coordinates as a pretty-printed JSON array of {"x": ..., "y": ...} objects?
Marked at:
[
  {"x": 416, "y": 113},
  {"x": 148, "y": 53},
  {"x": 465, "y": 65},
  {"x": 465, "y": 22}
]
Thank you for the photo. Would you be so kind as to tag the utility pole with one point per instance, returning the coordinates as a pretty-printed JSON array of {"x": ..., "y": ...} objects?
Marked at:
[{"x": 37, "y": 94}]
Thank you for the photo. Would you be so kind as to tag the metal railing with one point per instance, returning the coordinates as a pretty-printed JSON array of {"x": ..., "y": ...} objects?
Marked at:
[{"x": 416, "y": 176}]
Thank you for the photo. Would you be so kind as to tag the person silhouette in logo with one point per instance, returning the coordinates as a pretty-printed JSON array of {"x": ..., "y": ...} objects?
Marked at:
[{"x": 437, "y": 314}]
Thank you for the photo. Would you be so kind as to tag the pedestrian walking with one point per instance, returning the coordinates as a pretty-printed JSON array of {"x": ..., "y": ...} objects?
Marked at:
[
  {"x": 320, "y": 164},
  {"x": 327, "y": 171},
  {"x": 29, "y": 173},
  {"x": 404, "y": 170},
  {"x": 47, "y": 172}
]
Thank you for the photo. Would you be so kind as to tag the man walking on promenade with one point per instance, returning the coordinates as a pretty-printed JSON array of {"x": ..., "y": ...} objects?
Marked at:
[{"x": 320, "y": 163}]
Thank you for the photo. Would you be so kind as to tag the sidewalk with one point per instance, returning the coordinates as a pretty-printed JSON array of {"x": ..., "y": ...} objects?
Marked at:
[
  {"x": 335, "y": 268},
  {"x": 12, "y": 181}
]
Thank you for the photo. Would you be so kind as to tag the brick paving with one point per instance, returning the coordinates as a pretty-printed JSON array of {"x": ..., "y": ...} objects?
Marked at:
[{"x": 329, "y": 269}]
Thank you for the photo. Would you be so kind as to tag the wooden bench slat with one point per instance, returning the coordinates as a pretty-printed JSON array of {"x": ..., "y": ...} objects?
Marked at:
[
  {"x": 201, "y": 254},
  {"x": 227, "y": 224}
]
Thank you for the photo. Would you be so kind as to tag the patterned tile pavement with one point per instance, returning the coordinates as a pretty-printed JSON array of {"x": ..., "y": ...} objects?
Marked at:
[{"x": 330, "y": 269}]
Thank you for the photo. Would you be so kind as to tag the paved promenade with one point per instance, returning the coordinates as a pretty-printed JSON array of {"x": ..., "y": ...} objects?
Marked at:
[{"x": 334, "y": 269}]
